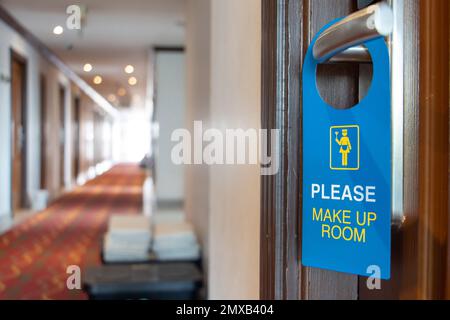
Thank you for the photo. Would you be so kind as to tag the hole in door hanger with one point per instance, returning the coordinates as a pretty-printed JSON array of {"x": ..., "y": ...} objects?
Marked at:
[{"x": 343, "y": 85}]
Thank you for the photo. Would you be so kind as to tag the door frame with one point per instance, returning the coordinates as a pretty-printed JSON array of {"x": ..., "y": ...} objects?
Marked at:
[
  {"x": 24, "y": 201},
  {"x": 421, "y": 247},
  {"x": 434, "y": 247}
]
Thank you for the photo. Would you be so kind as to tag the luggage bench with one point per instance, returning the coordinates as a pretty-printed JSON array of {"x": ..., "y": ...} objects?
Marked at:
[{"x": 168, "y": 281}]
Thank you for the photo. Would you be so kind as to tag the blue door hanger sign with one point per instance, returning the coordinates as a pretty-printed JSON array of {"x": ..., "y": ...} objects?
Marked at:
[{"x": 346, "y": 222}]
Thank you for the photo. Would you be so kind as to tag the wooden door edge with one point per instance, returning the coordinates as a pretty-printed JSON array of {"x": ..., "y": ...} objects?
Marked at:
[{"x": 434, "y": 150}]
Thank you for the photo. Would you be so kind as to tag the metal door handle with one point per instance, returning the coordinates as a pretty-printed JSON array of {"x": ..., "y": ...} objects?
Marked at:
[
  {"x": 342, "y": 43},
  {"x": 372, "y": 22}
]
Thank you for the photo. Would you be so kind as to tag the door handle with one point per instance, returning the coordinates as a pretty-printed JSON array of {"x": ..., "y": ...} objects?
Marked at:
[
  {"x": 342, "y": 42},
  {"x": 345, "y": 36}
]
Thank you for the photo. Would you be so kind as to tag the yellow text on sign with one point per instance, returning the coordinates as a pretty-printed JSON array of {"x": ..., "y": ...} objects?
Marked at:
[{"x": 337, "y": 224}]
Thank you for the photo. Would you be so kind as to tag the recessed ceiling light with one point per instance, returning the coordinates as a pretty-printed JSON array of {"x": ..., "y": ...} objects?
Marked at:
[
  {"x": 58, "y": 30},
  {"x": 112, "y": 98},
  {"x": 121, "y": 92},
  {"x": 132, "y": 81},
  {"x": 98, "y": 79},
  {"x": 129, "y": 69},
  {"x": 87, "y": 67}
]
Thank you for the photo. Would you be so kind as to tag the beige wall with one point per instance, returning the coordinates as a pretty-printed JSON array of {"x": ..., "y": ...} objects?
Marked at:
[
  {"x": 223, "y": 73},
  {"x": 235, "y": 190},
  {"x": 198, "y": 104}
]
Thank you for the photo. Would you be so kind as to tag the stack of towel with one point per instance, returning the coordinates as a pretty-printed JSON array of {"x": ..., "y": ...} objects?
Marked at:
[
  {"x": 168, "y": 216},
  {"x": 128, "y": 239},
  {"x": 175, "y": 241}
]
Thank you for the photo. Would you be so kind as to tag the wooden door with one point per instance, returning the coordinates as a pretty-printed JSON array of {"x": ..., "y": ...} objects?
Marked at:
[
  {"x": 62, "y": 134},
  {"x": 420, "y": 250},
  {"x": 76, "y": 137},
  {"x": 18, "y": 110},
  {"x": 420, "y": 247}
]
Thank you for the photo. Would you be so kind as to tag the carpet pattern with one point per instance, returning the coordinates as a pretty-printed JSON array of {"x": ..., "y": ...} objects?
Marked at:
[{"x": 35, "y": 254}]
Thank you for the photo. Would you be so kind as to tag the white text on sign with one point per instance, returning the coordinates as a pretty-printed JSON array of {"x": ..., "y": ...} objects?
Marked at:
[
  {"x": 343, "y": 193},
  {"x": 342, "y": 224}
]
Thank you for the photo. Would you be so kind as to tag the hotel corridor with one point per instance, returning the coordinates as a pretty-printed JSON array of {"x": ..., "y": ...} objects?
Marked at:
[
  {"x": 224, "y": 150},
  {"x": 35, "y": 254}
]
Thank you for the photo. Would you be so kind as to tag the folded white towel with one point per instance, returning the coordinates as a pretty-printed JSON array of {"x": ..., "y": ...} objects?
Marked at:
[
  {"x": 111, "y": 243},
  {"x": 168, "y": 216},
  {"x": 129, "y": 238},
  {"x": 173, "y": 230},
  {"x": 191, "y": 253},
  {"x": 129, "y": 224}
]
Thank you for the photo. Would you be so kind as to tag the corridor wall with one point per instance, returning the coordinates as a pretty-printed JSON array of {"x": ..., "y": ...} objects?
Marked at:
[
  {"x": 37, "y": 66},
  {"x": 223, "y": 83},
  {"x": 11, "y": 40}
]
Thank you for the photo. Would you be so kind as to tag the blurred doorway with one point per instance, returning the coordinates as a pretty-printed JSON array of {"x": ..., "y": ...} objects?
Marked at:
[
  {"x": 62, "y": 133},
  {"x": 76, "y": 138}
]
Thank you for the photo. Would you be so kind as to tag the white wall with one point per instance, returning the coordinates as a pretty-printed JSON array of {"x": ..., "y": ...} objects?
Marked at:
[{"x": 170, "y": 114}]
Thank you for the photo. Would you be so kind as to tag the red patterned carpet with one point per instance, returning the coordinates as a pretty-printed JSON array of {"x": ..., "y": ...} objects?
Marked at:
[{"x": 35, "y": 254}]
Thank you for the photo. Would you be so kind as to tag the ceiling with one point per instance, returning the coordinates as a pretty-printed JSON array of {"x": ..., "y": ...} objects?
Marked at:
[{"x": 114, "y": 33}]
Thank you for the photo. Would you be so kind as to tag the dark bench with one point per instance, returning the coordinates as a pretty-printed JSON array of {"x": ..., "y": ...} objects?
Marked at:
[{"x": 169, "y": 281}]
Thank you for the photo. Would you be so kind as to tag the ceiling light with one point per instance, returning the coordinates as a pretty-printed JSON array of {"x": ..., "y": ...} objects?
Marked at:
[
  {"x": 121, "y": 92},
  {"x": 132, "y": 81},
  {"x": 87, "y": 67},
  {"x": 58, "y": 30},
  {"x": 112, "y": 98},
  {"x": 98, "y": 79},
  {"x": 129, "y": 69}
]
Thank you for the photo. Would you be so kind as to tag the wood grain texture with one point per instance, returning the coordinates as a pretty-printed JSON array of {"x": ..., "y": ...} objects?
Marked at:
[
  {"x": 420, "y": 248},
  {"x": 448, "y": 237},
  {"x": 281, "y": 109},
  {"x": 433, "y": 148},
  {"x": 270, "y": 262},
  {"x": 318, "y": 283},
  {"x": 404, "y": 257},
  {"x": 287, "y": 29}
]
